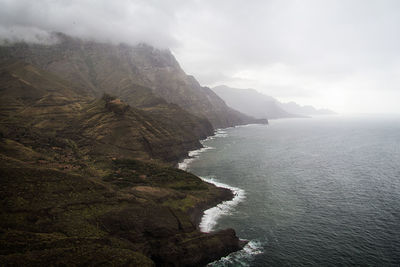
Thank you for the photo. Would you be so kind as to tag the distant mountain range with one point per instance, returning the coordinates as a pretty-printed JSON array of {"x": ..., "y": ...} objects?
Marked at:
[{"x": 258, "y": 105}]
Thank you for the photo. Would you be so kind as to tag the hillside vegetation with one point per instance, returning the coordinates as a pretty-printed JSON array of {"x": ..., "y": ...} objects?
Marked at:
[
  {"x": 140, "y": 75},
  {"x": 86, "y": 166}
]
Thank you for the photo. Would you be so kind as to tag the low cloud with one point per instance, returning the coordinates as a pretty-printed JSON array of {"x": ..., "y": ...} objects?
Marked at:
[
  {"x": 318, "y": 52},
  {"x": 110, "y": 21}
]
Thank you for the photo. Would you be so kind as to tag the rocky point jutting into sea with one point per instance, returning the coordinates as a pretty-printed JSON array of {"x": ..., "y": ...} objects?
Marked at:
[{"x": 90, "y": 134}]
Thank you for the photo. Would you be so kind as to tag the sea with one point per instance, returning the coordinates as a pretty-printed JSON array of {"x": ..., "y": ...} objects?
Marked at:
[{"x": 321, "y": 191}]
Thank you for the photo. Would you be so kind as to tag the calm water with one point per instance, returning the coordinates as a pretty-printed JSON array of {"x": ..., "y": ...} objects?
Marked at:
[{"x": 321, "y": 191}]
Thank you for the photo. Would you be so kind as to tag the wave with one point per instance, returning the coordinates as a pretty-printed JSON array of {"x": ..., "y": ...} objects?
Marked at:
[
  {"x": 221, "y": 133},
  {"x": 194, "y": 154},
  {"x": 242, "y": 257},
  {"x": 209, "y": 221},
  {"x": 249, "y": 125},
  {"x": 211, "y": 216},
  {"x": 217, "y": 134}
]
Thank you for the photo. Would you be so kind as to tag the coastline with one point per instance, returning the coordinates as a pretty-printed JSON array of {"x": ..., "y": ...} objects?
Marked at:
[
  {"x": 227, "y": 193},
  {"x": 205, "y": 216},
  {"x": 210, "y": 216}
]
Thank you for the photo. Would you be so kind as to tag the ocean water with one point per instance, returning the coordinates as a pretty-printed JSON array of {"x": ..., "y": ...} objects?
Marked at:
[{"x": 308, "y": 192}]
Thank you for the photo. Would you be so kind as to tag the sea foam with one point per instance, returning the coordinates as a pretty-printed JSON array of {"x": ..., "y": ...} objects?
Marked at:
[
  {"x": 194, "y": 154},
  {"x": 211, "y": 216},
  {"x": 242, "y": 257}
]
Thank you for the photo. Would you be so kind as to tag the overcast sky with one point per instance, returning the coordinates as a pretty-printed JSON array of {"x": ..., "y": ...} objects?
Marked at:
[{"x": 338, "y": 54}]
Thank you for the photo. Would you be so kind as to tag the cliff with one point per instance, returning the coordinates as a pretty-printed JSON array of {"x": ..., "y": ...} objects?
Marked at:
[
  {"x": 36, "y": 99},
  {"x": 87, "y": 179},
  {"x": 139, "y": 75}
]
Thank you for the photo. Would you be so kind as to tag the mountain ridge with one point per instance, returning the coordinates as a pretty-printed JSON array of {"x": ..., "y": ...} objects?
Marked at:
[
  {"x": 106, "y": 68},
  {"x": 251, "y": 102}
]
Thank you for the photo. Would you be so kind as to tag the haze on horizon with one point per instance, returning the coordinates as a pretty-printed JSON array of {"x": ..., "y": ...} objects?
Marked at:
[{"x": 341, "y": 55}]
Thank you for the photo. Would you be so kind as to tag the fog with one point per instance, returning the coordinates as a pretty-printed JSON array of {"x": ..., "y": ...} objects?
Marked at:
[{"x": 341, "y": 55}]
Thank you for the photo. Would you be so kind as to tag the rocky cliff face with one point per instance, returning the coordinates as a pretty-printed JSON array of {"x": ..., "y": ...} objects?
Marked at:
[
  {"x": 120, "y": 69},
  {"x": 87, "y": 181}
]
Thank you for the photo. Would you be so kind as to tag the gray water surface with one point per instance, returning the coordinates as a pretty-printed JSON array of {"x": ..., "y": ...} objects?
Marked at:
[{"x": 319, "y": 192}]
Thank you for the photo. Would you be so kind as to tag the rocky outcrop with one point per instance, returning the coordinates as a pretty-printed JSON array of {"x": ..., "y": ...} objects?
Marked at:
[{"x": 115, "y": 105}]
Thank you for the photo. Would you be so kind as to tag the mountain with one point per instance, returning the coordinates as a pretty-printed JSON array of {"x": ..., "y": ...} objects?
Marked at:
[
  {"x": 139, "y": 75},
  {"x": 87, "y": 178},
  {"x": 258, "y": 105},
  {"x": 251, "y": 102},
  {"x": 36, "y": 99},
  {"x": 304, "y": 110}
]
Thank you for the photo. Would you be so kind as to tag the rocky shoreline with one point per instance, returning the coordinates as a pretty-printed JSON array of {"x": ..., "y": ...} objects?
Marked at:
[
  {"x": 111, "y": 220},
  {"x": 196, "y": 213},
  {"x": 233, "y": 243}
]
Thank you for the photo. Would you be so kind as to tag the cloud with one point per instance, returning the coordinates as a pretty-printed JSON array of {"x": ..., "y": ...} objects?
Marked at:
[
  {"x": 112, "y": 21},
  {"x": 318, "y": 52}
]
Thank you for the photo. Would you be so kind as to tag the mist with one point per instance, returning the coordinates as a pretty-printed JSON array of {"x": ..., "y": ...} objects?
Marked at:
[
  {"x": 126, "y": 21},
  {"x": 341, "y": 55}
]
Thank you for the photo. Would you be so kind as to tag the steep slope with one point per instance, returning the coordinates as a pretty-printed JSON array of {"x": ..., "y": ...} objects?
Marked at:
[
  {"x": 33, "y": 98},
  {"x": 120, "y": 69},
  {"x": 87, "y": 181},
  {"x": 26, "y": 90},
  {"x": 251, "y": 102},
  {"x": 108, "y": 127}
]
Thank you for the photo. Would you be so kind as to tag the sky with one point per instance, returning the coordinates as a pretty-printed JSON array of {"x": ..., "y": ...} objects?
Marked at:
[{"x": 337, "y": 54}]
